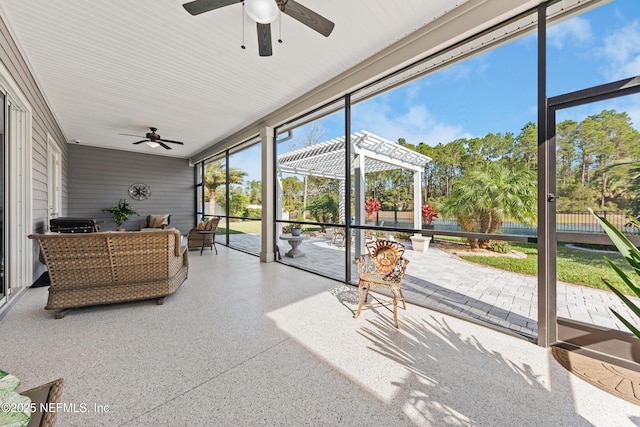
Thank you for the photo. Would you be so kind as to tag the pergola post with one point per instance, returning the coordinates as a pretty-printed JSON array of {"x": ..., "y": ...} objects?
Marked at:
[
  {"x": 342, "y": 191},
  {"x": 417, "y": 197},
  {"x": 358, "y": 197}
]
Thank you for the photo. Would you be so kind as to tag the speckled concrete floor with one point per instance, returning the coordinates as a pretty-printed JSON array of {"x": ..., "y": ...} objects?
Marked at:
[{"x": 245, "y": 343}]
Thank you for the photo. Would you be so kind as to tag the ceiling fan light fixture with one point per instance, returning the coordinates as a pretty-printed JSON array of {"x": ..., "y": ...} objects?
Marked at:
[
  {"x": 152, "y": 144},
  {"x": 262, "y": 11}
]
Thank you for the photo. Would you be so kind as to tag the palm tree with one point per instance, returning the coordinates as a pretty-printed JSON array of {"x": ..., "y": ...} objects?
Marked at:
[
  {"x": 484, "y": 198},
  {"x": 215, "y": 175}
]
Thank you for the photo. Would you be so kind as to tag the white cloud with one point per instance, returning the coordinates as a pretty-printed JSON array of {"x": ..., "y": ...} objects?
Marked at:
[
  {"x": 413, "y": 91},
  {"x": 621, "y": 50},
  {"x": 416, "y": 125},
  {"x": 578, "y": 30}
]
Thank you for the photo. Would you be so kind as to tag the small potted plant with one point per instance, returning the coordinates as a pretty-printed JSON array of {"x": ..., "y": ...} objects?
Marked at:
[
  {"x": 296, "y": 229},
  {"x": 121, "y": 212},
  {"x": 371, "y": 207},
  {"x": 428, "y": 215}
]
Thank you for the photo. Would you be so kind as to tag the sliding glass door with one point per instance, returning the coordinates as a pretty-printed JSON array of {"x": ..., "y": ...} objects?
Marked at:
[
  {"x": 231, "y": 188},
  {"x": 3, "y": 290},
  {"x": 597, "y": 146}
]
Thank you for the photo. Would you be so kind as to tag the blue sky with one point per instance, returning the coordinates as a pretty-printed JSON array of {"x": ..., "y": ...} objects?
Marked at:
[{"x": 497, "y": 91}]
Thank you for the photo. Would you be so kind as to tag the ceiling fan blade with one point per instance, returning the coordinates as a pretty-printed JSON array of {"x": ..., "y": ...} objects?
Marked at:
[
  {"x": 168, "y": 140},
  {"x": 163, "y": 144},
  {"x": 128, "y": 134},
  {"x": 308, "y": 17},
  {"x": 200, "y": 6},
  {"x": 264, "y": 39},
  {"x": 140, "y": 142}
]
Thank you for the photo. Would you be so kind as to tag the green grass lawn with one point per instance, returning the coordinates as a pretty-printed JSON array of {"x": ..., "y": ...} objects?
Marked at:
[
  {"x": 573, "y": 265},
  {"x": 242, "y": 227}
]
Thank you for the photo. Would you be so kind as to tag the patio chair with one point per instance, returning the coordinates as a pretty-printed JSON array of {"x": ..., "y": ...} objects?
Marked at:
[
  {"x": 204, "y": 235},
  {"x": 383, "y": 267},
  {"x": 373, "y": 234},
  {"x": 338, "y": 232}
]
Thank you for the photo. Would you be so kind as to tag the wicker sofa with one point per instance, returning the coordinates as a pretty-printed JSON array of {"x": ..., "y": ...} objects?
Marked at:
[{"x": 111, "y": 267}]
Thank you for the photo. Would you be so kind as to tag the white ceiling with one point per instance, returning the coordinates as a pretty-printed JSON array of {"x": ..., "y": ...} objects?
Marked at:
[{"x": 120, "y": 66}]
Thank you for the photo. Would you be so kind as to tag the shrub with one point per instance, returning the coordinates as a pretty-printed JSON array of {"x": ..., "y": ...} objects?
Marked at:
[
  {"x": 401, "y": 236},
  {"x": 254, "y": 213},
  {"x": 499, "y": 246}
]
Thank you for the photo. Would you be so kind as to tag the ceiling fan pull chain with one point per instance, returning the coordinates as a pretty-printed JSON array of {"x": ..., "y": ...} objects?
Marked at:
[
  {"x": 242, "y": 16},
  {"x": 279, "y": 26}
]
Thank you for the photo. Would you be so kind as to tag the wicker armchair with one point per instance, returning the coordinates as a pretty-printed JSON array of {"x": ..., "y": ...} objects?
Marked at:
[
  {"x": 204, "y": 235},
  {"x": 383, "y": 267}
]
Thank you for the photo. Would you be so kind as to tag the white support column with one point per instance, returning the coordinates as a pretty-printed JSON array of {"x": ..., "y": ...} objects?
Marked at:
[{"x": 269, "y": 198}]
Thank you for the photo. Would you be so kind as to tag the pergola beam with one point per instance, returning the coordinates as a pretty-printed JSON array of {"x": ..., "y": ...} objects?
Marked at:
[{"x": 309, "y": 172}]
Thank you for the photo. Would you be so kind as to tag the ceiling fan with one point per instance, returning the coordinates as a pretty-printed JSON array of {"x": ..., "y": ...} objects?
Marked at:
[
  {"x": 154, "y": 140},
  {"x": 264, "y": 12}
]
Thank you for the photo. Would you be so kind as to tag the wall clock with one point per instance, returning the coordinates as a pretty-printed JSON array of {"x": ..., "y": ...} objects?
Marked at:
[{"x": 139, "y": 191}]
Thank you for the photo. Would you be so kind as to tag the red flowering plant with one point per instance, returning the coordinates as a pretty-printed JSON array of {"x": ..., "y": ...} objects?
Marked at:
[
  {"x": 428, "y": 214},
  {"x": 371, "y": 206}
]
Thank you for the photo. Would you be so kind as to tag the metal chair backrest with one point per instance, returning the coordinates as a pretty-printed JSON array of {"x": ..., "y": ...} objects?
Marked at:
[{"x": 386, "y": 254}]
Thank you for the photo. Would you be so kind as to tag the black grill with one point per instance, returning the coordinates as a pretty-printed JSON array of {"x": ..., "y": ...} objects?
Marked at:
[{"x": 73, "y": 225}]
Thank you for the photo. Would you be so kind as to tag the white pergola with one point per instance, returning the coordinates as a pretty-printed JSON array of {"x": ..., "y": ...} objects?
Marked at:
[{"x": 371, "y": 153}]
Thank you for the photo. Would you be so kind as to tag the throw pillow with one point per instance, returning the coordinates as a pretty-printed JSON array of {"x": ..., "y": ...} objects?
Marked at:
[
  {"x": 209, "y": 225},
  {"x": 157, "y": 221},
  {"x": 201, "y": 226}
]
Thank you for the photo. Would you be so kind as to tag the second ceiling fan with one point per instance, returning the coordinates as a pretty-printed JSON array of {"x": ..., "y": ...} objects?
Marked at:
[
  {"x": 154, "y": 140},
  {"x": 264, "y": 12}
]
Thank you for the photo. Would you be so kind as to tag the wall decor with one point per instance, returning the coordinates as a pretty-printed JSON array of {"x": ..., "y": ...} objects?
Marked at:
[{"x": 139, "y": 191}]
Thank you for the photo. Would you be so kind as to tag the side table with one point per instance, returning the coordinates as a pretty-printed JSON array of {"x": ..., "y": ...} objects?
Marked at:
[{"x": 294, "y": 241}]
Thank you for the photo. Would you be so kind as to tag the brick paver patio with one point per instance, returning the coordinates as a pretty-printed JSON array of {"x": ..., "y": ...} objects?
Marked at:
[{"x": 445, "y": 282}]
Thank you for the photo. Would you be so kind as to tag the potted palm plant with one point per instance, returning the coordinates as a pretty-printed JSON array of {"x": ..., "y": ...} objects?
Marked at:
[{"x": 121, "y": 212}]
